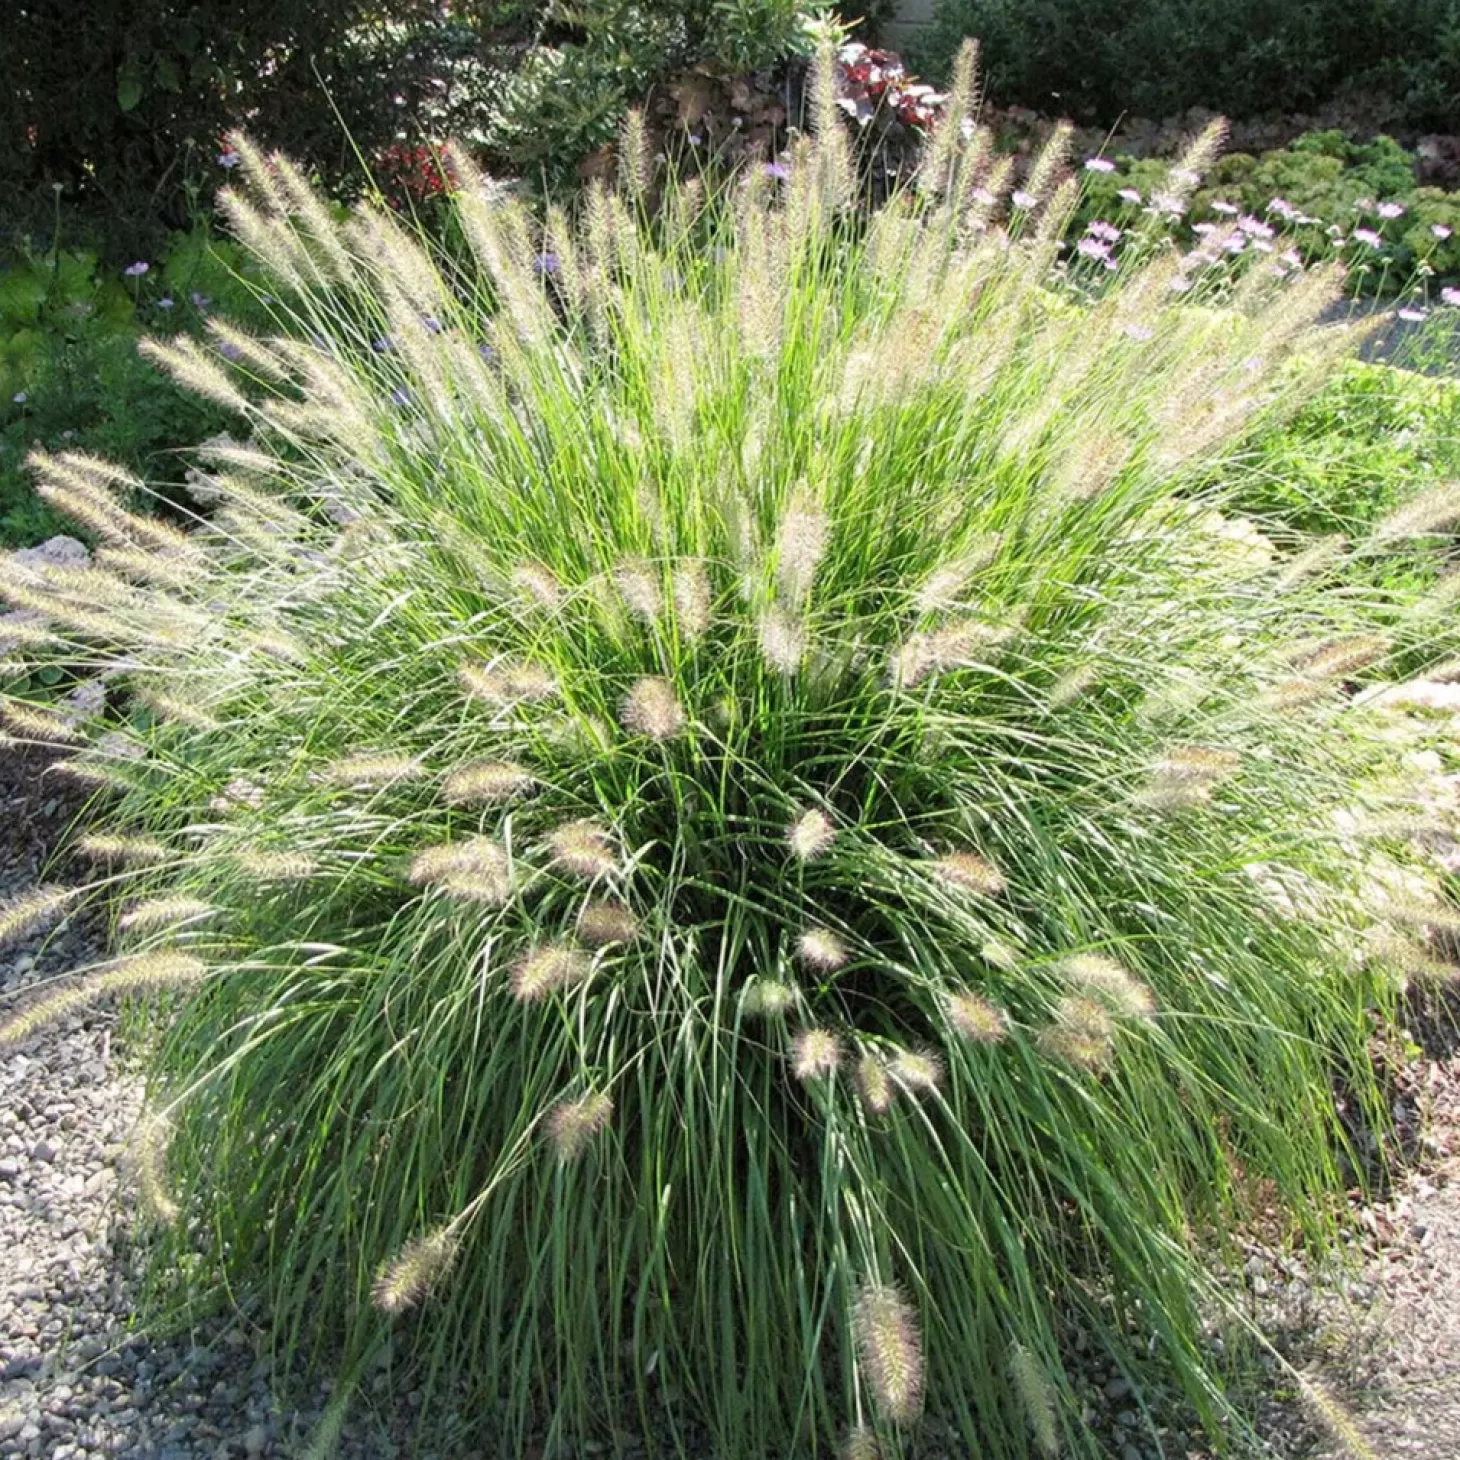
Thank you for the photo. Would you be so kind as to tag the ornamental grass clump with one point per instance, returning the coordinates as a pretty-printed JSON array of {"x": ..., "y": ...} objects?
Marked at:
[{"x": 736, "y": 842}]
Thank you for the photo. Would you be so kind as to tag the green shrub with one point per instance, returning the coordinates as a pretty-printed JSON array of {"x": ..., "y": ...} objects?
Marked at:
[
  {"x": 1348, "y": 459},
  {"x": 593, "y": 61},
  {"x": 122, "y": 106},
  {"x": 124, "y": 112},
  {"x": 70, "y": 375},
  {"x": 722, "y": 811},
  {"x": 1351, "y": 454},
  {"x": 1097, "y": 60},
  {"x": 1322, "y": 197}
]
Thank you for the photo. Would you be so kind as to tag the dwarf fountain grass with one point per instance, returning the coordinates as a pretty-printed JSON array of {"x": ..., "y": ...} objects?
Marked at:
[
  {"x": 141, "y": 973},
  {"x": 32, "y": 910},
  {"x": 769, "y": 843},
  {"x": 148, "y": 1150}
]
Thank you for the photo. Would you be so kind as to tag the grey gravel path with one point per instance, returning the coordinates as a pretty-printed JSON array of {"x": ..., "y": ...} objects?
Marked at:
[{"x": 76, "y": 1383}]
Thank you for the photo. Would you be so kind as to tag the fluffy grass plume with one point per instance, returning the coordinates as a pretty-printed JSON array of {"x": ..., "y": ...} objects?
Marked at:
[
  {"x": 32, "y": 910},
  {"x": 748, "y": 666}
]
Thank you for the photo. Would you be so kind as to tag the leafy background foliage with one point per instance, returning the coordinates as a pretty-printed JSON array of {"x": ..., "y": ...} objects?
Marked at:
[{"x": 1096, "y": 60}]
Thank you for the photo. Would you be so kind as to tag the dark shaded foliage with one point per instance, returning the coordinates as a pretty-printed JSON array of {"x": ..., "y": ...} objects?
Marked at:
[{"x": 1095, "y": 60}]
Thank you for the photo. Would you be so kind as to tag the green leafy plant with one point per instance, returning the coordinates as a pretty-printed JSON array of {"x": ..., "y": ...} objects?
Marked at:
[
  {"x": 733, "y": 838},
  {"x": 1321, "y": 197},
  {"x": 592, "y": 61},
  {"x": 70, "y": 375},
  {"x": 125, "y": 112},
  {"x": 1102, "y": 59}
]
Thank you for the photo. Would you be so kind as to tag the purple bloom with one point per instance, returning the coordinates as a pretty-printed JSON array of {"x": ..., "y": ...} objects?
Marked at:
[
  {"x": 229, "y": 159},
  {"x": 1227, "y": 210},
  {"x": 984, "y": 197},
  {"x": 1261, "y": 245},
  {"x": 401, "y": 396},
  {"x": 1093, "y": 248},
  {"x": 135, "y": 271},
  {"x": 1129, "y": 194},
  {"x": 486, "y": 352},
  {"x": 1180, "y": 284},
  {"x": 1235, "y": 242},
  {"x": 1099, "y": 164},
  {"x": 545, "y": 263},
  {"x": 1141, "y": 332},
  {"x": 777, "y": 170},
  {"x": 1306, "y": 218},
  {"x": 1282, "y": 208},
  {"x": 431, "y": 324},
  {"x": 1202, "y": 229},
  {"x": 1022, "y": 199},
  {"x": 1368, "y": 236},
  {"x": 1390, "y": 210},
  {"x": 200, "y": 301},
  {"x": 1449, "y": 295},
  {"x": 381, "y": 345},
  {"x": 1414, "y": 316},
  {"x": 165, "y": 302},
  {"x": 1440, "y": 230},
  {"x": 230, "y": 351},
  {"x": 1292, "y": 258},
  {"x": 1107, "y": 231},
  {"x": 1168, "y": 204},
  {"x": 20, "y": 397}
]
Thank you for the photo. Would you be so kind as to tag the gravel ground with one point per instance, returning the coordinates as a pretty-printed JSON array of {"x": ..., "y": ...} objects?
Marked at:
[
  {"x": 76, "y": 1381},
  {"x": 1391, "y": 1354}
]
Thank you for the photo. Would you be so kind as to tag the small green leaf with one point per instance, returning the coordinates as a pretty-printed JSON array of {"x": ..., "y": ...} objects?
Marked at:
[{"x": 129, "y": 85}]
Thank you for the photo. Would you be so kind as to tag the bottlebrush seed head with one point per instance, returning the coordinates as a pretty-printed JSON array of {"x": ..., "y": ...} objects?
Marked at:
[
  {"x": 409, "y": 1277},
  {"x": 815, "y": 1053},
  {"x": 548, "y": 970},
  {"x": 976, "y": 1019},
  {"x": 572, "y": 1124},
  {"x": 873, "y": 1084},
  {"x": 822, "y": 950},
  {"x": 890, "y": 1350},
  {"x": 603, "y": 923},
  {"x": 969, "y": 872},
  {"x": 810, "y": 835},
  {"x": 583, "y": 849},
  {"x": 650, "y": 708},
  {"x": 487, "y": 782}
]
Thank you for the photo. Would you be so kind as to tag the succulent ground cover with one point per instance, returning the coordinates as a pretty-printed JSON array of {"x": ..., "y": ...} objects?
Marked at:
[{"x": 727, "y": 834}]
